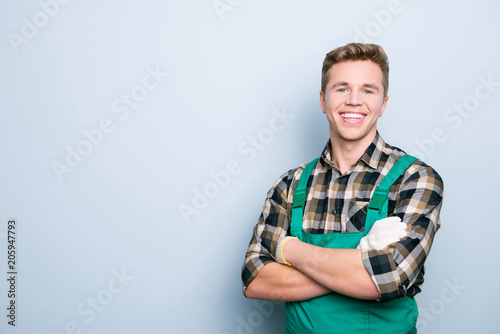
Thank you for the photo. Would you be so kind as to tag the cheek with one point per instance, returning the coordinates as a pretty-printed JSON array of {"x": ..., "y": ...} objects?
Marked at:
[
  {"x": 376, "y": 105},
  {"x": 334, "y": 103}
]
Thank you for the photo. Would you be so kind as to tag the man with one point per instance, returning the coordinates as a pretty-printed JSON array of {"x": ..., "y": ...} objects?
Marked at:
[{"x": 332, "y": 286}]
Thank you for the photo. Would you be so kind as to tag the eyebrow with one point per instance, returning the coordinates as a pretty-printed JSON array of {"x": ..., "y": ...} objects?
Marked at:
[
  {"x": 366, "y": 85},
  {"x": 337, "y": 84},
  {"x": 371, "y": 85}
]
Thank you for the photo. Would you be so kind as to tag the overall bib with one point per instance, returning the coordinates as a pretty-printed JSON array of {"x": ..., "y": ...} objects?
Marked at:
[{"x": 336, "y": 313}]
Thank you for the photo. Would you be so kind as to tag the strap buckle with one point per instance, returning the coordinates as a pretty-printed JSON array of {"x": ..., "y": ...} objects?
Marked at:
[
  {"x": 299, "y": 198},
  {"x": 378, "y": 199}
]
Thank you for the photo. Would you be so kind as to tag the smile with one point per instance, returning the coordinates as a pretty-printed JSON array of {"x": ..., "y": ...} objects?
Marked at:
[{"x": 352, "y": 116}]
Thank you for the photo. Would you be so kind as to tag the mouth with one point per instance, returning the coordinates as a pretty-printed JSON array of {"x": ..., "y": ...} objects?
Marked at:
[{"x": 352, "y": 116}]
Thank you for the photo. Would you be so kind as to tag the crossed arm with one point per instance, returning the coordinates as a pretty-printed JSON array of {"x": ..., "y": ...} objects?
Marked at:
[
  {"x": 316, "y": 271},
  {"x": 368, "y": 274}
]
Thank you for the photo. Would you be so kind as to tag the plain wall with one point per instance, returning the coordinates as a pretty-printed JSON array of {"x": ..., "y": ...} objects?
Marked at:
[{"x": 139, "y": 138}]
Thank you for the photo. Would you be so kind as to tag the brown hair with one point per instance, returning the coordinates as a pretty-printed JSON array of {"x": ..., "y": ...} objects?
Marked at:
[{"x": 356, "y": 51}]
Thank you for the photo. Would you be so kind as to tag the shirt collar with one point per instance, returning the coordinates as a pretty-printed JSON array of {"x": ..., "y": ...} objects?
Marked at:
[
  {"x": 373, "y": 153},
  {"x": 371, "y": 156}
]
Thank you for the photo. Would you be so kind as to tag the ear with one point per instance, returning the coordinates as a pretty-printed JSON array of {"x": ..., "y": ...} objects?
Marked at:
[
  {"x": 322, "y": 101},
  {"x": 384, "y": 104}
]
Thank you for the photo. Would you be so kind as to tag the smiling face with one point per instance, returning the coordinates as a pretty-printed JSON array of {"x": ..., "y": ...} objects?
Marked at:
[{"x": 353, "y": 100}]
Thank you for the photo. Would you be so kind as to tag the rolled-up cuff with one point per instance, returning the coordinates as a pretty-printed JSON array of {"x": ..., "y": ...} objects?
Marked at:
[{"x": 384, "y": 274}]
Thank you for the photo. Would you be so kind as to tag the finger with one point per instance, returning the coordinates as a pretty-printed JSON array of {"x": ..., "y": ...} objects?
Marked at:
[
  {"x": 390, "y": 222},
  {"x": 391, "y": 219},
  {"x": 394, "y": 226},
  {"x": 392, "y": 235}
]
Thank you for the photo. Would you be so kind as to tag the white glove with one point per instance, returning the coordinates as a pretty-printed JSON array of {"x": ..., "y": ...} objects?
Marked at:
[
  {"x": 279, "y": 249},
  {"x": 383, "y": 233}
]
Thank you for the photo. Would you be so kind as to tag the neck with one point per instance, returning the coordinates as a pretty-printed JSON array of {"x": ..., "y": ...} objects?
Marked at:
[{"x": 346, "y": 153}]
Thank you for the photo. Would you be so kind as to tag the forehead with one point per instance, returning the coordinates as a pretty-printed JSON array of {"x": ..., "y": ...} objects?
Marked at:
[{"x": 356, "y": 72}]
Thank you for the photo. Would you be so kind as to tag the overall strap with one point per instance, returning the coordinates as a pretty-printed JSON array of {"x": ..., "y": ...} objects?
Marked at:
[
  {"x": 377, "y": 209},
  {"x": 299, "y": 198}
]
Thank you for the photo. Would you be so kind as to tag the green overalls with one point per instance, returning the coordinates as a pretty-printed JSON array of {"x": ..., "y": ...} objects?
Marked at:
[{"x": 336, "y": 313}]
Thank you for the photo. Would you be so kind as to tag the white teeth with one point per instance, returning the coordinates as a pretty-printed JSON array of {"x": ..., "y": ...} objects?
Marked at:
[{"x": 352, "y": 115}]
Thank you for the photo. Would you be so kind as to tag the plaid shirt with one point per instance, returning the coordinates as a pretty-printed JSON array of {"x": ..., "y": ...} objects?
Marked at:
[{"x": 338, "y": 203}]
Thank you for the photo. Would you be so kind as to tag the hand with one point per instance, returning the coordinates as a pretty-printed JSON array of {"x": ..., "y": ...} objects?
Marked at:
[{"x": 383, "y": 233}]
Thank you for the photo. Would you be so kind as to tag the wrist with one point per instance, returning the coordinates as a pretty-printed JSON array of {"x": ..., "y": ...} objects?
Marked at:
[
  {"x": 289, "y": 249},
  {"x": 280, "y": 250}
]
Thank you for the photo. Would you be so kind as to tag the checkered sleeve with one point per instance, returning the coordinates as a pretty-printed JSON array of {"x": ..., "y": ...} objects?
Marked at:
[
  {"x": 394, "y": 270},
  {"x": 273, "y": 225}
]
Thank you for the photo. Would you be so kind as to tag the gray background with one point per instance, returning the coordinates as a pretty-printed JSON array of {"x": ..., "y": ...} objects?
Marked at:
[{"x": 232, "y": 66}]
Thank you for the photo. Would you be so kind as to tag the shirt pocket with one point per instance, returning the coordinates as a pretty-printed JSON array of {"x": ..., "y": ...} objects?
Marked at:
[{"x": 356, "y": 216}]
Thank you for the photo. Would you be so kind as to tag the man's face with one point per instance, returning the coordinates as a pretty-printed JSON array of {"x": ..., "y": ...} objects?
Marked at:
[{"x": 353, "y": 100}]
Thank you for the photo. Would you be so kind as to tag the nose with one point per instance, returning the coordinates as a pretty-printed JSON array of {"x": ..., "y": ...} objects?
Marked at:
[{"x": 353, "y": 98}]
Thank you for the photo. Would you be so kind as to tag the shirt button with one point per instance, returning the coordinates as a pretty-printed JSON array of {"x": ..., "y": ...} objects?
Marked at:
[{"x": 334, "y": 212}]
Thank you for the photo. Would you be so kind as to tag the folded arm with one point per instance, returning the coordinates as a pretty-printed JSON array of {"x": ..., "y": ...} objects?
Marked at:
[
  {"x": 366, "y": 274},
  {"x": 340, "y": 270},
  {"x": 276, "y": 281}
]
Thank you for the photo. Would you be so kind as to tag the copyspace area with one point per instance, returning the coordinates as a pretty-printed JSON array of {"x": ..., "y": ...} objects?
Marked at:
[{"x": 139, "y": 138}]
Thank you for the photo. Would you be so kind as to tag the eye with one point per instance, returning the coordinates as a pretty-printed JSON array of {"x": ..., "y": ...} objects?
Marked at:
[
  {"x": 342, "y": 90},
  {"x": 367, "y": 91}
]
